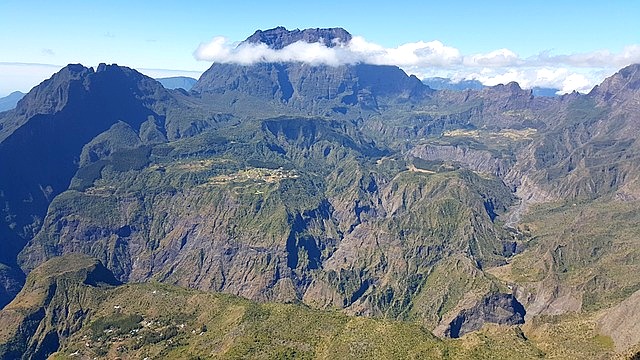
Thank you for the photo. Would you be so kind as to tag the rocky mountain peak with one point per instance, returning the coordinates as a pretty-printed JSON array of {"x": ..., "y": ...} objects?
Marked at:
[
  {"x": 511, "y": 87},
  {"x": 510, "y": 91},
  {"x": 306, "y": 87},
  {"x": 628, "y": 76},
  {"x": 279, "y": 37},
  {"x": 52, "y": 94},
  {"x": 619, "y": 85},
  {"x": 49, "y": 129},
  {"x": 72, "y": 83}
]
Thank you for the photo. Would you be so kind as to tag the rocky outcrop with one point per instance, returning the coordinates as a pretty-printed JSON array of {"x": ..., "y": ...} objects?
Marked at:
[
  {"x": 482, "y": 161},
  {"x": 279, "y": 37},
  {"x": 495, "y": 308},
  {"x": 622, "y": 323},
  {"x": 619, "y": 87},
  {"x": 49, "y": 97}
]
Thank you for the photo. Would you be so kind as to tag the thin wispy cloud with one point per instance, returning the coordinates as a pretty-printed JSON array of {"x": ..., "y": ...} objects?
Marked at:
[
  {"x": 28, "y": 75},
  {"x": 599, "y": 58},
  {"x": 496, "y": 58},
  {"x": 566, "y": 72}
]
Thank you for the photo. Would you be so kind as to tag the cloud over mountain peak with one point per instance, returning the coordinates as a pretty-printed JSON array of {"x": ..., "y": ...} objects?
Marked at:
[{"x": 335, "y": 47}]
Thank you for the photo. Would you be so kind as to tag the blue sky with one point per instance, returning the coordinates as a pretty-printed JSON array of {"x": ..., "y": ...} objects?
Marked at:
[{"x": 547, "y": 42}]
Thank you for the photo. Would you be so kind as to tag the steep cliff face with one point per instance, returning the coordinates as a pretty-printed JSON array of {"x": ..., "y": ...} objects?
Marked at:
[
  {"x": 280, "y": 37},
  {"x": 61, "y": 115},
  {"x": 619, "y": 90},
  {"x": 483, "y": 161},
  {"x": 47, "y": 98},
  {"x": 314, "y": 89},
  {"x": 78, "y": 117},
  {"x": 494, "y": 308},
  {"x": 622, "y": 323},
  {"x": 71, "y": 307},
  {"x": 56, "y": 299}
]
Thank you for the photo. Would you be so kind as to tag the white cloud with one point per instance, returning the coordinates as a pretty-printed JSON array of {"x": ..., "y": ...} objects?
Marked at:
[
  {"x": 433, "y": 53},
  {"x": 577, "y": 82},
  {"x": 220, "y": 50},
  {"x": 496, "y": 58},
  {"x": 595, "y": 59},
  {"x": 23, "y": 76},
  {"x": 358, "y": 50},
  {"x": 564, "y": 79},
  {"x": 426, "y": 59},
  {"x": 566, "y": 72},
  {"x": 162, "y": 73}
]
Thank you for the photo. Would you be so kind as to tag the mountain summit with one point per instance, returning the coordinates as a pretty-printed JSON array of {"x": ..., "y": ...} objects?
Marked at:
[
  {"x": 619, "y": 87},
  {"x": 279, "y": 37},
  {"x": 313, "y": 89}
]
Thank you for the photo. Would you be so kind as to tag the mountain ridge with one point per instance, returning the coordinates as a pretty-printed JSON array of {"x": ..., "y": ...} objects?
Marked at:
[
  {"x": 64, "y": 102},
  {"x": 279, "y": 37},
  {"x": 372, "y": 193},
  {"x": 10, "y": 101},
  {"x": 177, "y": 82},
  {"x": 439, "y": 83},
  {"x": 74, "y": 317}
]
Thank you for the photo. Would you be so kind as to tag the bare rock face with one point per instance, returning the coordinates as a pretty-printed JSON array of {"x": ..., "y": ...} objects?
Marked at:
[
  {"x": 622, "y": 323},
  {"x": 317, "y": 89},
  {"x": 314, "y": 89},
  {"x": 11, "y": 280},
  {"x": 619, "y": 87},
  {"x": 495, "y": 308},
  {"x": 280, "y": 37},
  {"x": 50, "y": 97},
  {"x": 477, "y": 160}
]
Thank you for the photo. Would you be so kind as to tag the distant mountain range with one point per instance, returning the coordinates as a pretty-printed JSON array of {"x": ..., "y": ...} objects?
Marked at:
[
  {"x": 438, "y": 83},
  {"x": 178, "y": 82},
  {"x": 389, "y": 218},
  {"x": 10, "y": 101}
]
